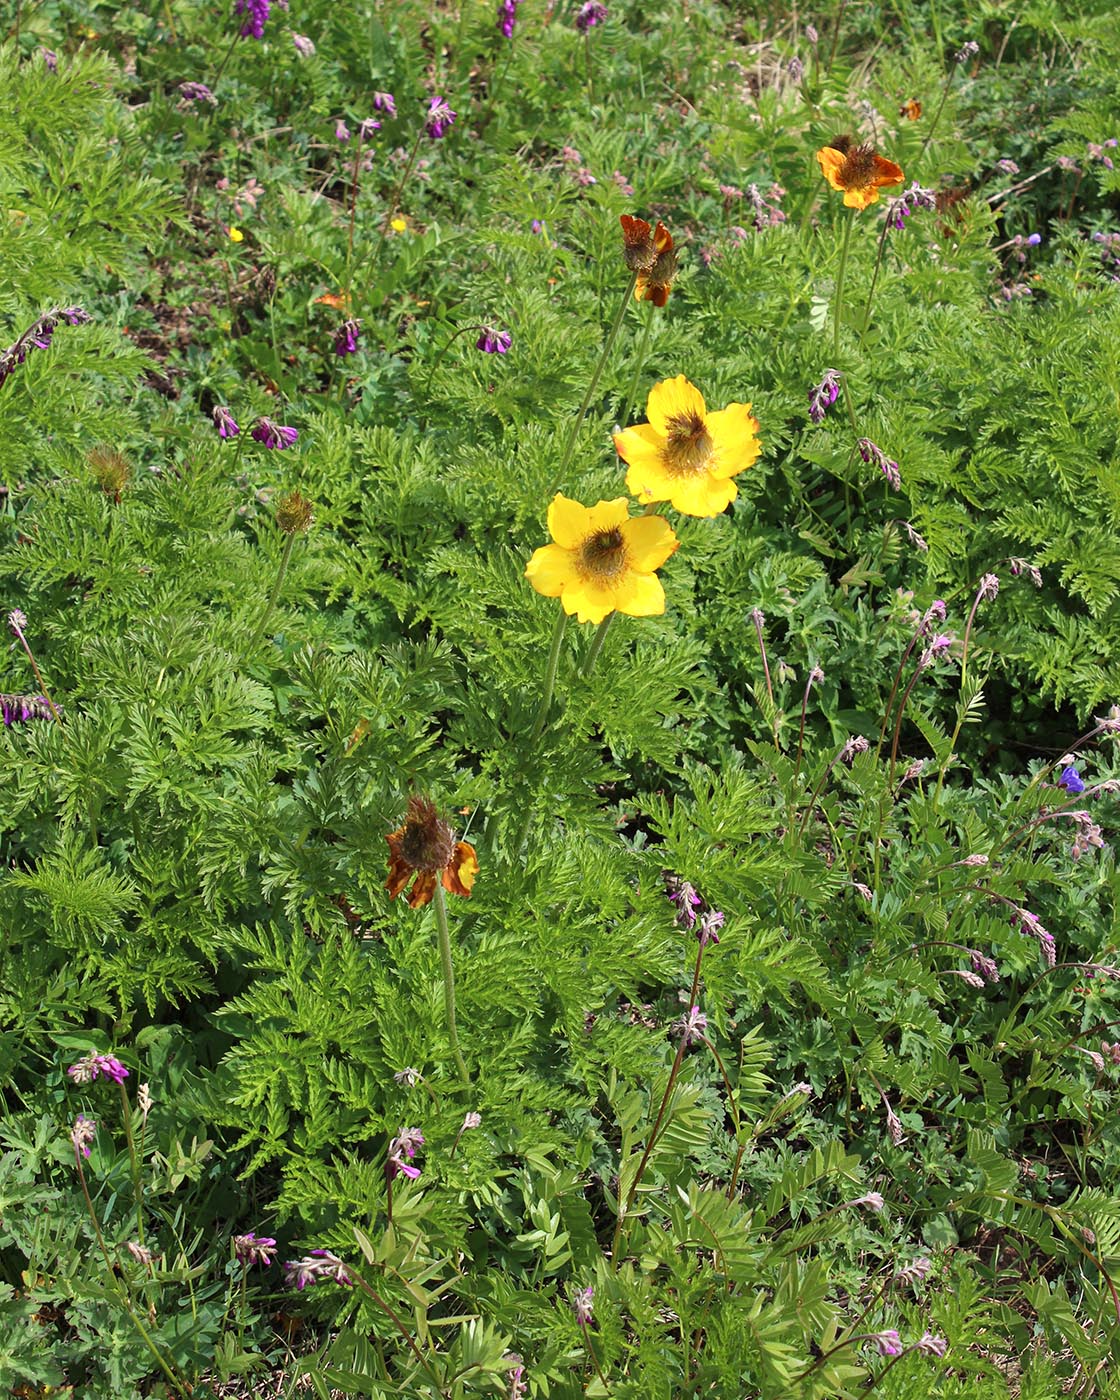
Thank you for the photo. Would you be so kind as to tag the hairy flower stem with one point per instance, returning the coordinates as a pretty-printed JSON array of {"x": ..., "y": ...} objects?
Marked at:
[
  {"x": 115, "y": 1287},
  {"x": 18, "y": 633},
  {"x": 134, "y": 1163},
  {"x": 573, "y": 432},
  {"x": 624, "y": 1208},
  {"x": 898, "y": 722},
  {"x": 272, "y": 597},
  {"x": 448, "y": 981},
  {"x": 380, "y": 1302},
  {"x": 225, "y": 59},
  {"x": 395, "y": 200},
  {"x": 817, "y": 792},
  {"x": 756, "y": 618},
  {"x": 894, "y": 687},
  {"x": 444, "y": 348},
  {"x": 889, "y": 1367},
  {"x": 960, "y": 709},
  {"x": 639, "y": 362},
  {"x": 874, "y": 282},
  {"x": 839, "y": 290},
  {"x": 594, "y": 1358},
  {"x": 549, "y": 677},
  {"x": 937, "y": 117},
  {"x": 596, "y": 645},
  {"x": 354, "y": 180}
]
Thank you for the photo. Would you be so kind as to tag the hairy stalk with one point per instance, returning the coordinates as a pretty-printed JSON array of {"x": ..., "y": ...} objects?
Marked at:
[
  {"x": 596, "y": 645},
  {"x": 443, "y": 351},
  {"x": 940, "y": 108},
  {"x": 225, "y": 59},
  {"x": 874, "y": 282},
  {"x": 380, "y": 1302},
  {"x": 624, "y": 1208},
  {"x": 17, "y": 632},
  {"x": 395, "y": 200},
  {"x": 354, "y": 180},
  {"x": 134, "y": 1163},
  {"x": 594, "y": 1358},
  {"x": 448, "y": 981},
  {"x": 980, "y": 595},
  {"x": 573, "y": 432},
  {"x": 639, "y": 362},
  {"x": 549, "y": 677},
  {"x": 898, "y": 722},
  {"x": 839, "y": 290},
  {"x": 275, "y": 594}
]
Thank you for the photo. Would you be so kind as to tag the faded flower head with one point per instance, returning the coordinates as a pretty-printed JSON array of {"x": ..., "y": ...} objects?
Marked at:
[
  {"x": 110, "y": 469},
  {"x": 691, "y": 1027},
  {"x": 857, "y": 744},
  {"x": 888, "y": 1343},
  {"x": 983, "y": 966},
  {"x": 141, "y": 1253},
  {"x": 317, "y": 1267},
  {"x": 403, "y": 1146},
  {"x": 254, "y": 1249},
  {"x": 303, "y": 45},
  {"x": 408, "y": 1077},
  {"x": 914, "y": 1273},
  {"x": 823, "y": 395},
  {"x": 93, "y": 1066},
  {"x": 708, "y": 927},
  {"x": 426, "y": 846},
  {"x": 293, "y": 514},
  {"x": 684, "y": 898},
  {"x": 582, "y": 1305},
  {"x": 471, "y": 1120},
  {"x": 20, "y": 709},
  {"x": 17, "y": 622},
  {"x": 858, "y": 170},
  {"x": 82, "y": 1134},
  {"x": 870, "y": 452},
  {"x": 966, "y": 51},
  {"x": 930, "y": 1345},
  {"x": 989, "y": 587},
  {"x": 191, "y": 93}
]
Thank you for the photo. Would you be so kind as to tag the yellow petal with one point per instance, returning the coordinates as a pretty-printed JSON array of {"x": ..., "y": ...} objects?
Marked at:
[
  {"x": 641, "y": 595},
  {"x": 702, "y": 496},
  {"x": 568, "y": 522},
  {"x": 641, "y": 443},
  {"x": 590, "y": 601},
  {"x": 649, "y": 542},
  {"x": 861, "y": 198},
  {"x": 649, "y": 481},
  {"x": 608, "y": 515},
  {"x": 235, "y": 234},
  {"x": 551, "y": 570},
  {"x": 735, "y": 446},
  {"x": 673, "y": 398}
]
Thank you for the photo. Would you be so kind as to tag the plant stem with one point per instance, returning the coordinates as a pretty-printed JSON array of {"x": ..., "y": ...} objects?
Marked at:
[
  {"x": 353, "y": 213},
  {"x": 222, "y": 66},
  {"x": 134, "y": 1162},
  {"x": 448, "y": 981},
  {"x": 443, "y": 351},
  {"x": 401, "y": 1328},
  {"x": 940, "y": 108},
  {"x": 18, "y": 632},
  {"x": 839, "y": 291},
  {"x": 874, "y": 282},
  {"x": 565, "y": 455},
  {"x": 596, "y": 645},
  {"x": 397, "y": 192},
  {"x": 643, "y": 345},
  {"x": 549, "y": 677},
  {"x": 283, "y": 569}
]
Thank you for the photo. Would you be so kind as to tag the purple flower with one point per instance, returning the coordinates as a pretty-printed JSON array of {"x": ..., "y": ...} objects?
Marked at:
[
  {"x": 507, "y": 16},
  {"x": 18, "y": 709},
  {"x": 823, "y": 395},
  {"x": 385, "y": 102},
  {"x": 303, "y": 45},
  {"x": 708, "y": 926},
  {"x": 684, "y": 898},
  {"x": 870, "y": 452},
  {"x": 17, "y": 622},
  {"x": 916, "y": 197},
  {"x": 368, "y": 127},
  {"x": 1034, "y": 239},
  {"x": 82, "y": 1134},
  {"x": 313, "y": 1268},
  {"x": 92, "y": 1066},
  {"x": 402, "y": 1146},
  {"x": 1008, "y": 166},
  {"x": 692, "y": 1026},
  {"x": 913, "y": 1273},
  {"x": 190, "y": 93},
  {"x": 984, "y": 966},
  {"x": 346, "y": 338},
  {"x": 254, "y": 1249},
  {"x": 50, "y": 59},
  {"x": 38, "y": 336},
  {"x": 589, "y": 15},
  {"x": 341, "y": 131},
  {"x": 966, "y": 51},
  {"x": 536, "y": 226},
  {"x": 225, "y": 422},
  {"x": 857, "y": 744},
  {"x": 888, "y": 1343},
  {"x": 256, "y": 14},
  {"x": 440, "y": 118},
  {"x": 270, "y": 434},
  {"x": 581, "y": 1305},
  {"x": 929, "y": 1345},
  {"x": 493, "y": 342},
  {"x": 1071, "y": 779}
]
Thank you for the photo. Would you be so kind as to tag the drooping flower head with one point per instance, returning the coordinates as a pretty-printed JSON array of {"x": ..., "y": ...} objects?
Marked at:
[
  {"x": 686, "y": 455},
  {"x": 507, "y": 16},
  {"x": 590, "y": 14},
  {"x": 493, "y": 342},
  {"x": 254, "y": 1249},
  {"x": 425, "y": 846},
  {"x": 602, "y": 561},
  {"x": 303, "y": 45},
  {"x": 640, "y": 242},
  {"x": 273, "y": 435},
  {"x": 385, "y": 102},
  {"x": 656, "y": 282},
  {"x": 858, "y": 170},
  {"x": 190, "y": 93},
  {"x": 93, "y": 1066},
  {"x": 871, "y": 452},
  {"x": 316, "y": 1267},
  {"x": 225, "y": 422},
  {"x": 346, "y": 337},
  {"x": 404, "y": 1145},
  {"x": 293, "y": 513},
  {"x": 582, "y": 1304},
  {"x": 1071, "y": 779},
  {"x": 19, "y": 709},
  {"x": 440, "y": 118},
  {"x": 82, "y": 1134},
  {"x": 823, "y": 395},
  {"x": 888, "y": 1343}
]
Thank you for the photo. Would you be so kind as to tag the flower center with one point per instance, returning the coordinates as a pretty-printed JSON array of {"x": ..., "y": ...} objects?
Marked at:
[
  {"x": 858, "y": 169},
  {"x": 688, "y": 448},
  {"x": 427, "y": 842},
  {"x": 603, "y": 555}
]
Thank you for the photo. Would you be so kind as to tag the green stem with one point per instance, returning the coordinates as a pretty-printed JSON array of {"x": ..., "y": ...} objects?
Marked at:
[
  {"x": 397, "y": 193},
  {"x": 353, "y": 214},
  {"x": 222, "y": 66},
  {"x": 874, "y": 282},
  {"x": 597, "y": 645},
  {"x": 839, "y": 293},
  {"x": 134, "y": 1162},
  {"x": 940, "y": 108},
  {"x": 643, "y": 345},
  {"x": 565, "y": 455},
  {"x": 283, "y": 569},
  {"x": 448, "y": 981},
  {"x": 443, "y": 351},
  {"x": 549, "y": 678}
]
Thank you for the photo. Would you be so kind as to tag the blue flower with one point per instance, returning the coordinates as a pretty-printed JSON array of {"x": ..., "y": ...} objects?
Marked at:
[{"x": 1071, "y": 779}]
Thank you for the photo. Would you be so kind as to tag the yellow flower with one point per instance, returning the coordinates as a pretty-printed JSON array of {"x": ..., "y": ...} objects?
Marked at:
[
  {"x": 857, "y": 170},
  {"x": 686, "y": 455},
  {"x": 602, "y": 561},
  {"x": 235, "y": 234},
  {"x": 399, "y": 225}
]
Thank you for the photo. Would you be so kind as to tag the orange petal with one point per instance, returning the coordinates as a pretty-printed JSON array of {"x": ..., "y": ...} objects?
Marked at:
[
  {"x": 830, "y": 160},
  {"x": 458, "y": 876},
  {"x": 422, "y": 890}
]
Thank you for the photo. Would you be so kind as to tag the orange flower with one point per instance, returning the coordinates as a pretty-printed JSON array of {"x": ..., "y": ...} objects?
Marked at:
[
  {"x": 656, "y": 283},
  {"x": 911, "y": 110},
  {"x": 426, "y": 847},
  {"x": 857, "y": 170},
  {"x": 639, "y": 252}
]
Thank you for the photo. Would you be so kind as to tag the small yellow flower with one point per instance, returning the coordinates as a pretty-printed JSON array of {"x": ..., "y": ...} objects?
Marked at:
[
  {"x": 686, "y": 455},
  {"x": 399, "y": 225},
  {"x": 235, "y": 234},
  {"x": 857, "y": 170},
  {"x": 602, "y": 561}
]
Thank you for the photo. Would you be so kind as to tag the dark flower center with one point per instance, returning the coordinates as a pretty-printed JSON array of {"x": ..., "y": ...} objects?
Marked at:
[
  {"x": 603, "y": 554},
  {"x": 858, "y": 169},
  {"x": 688, "y": 447},
  {"x": 427, "y": 842}
]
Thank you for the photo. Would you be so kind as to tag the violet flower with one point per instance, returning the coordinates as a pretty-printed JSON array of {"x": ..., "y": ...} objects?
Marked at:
[
  {"x": 1071, "y": 779},
  {"x": 385, "y": 102},
  {"x": 256, "y": 13},
  {"x": 493, "y": 342},
  {"x": 92, "y": 1066},
  {"x": 346, "y": 338},
  {"x": 341, "y": 131},
  {"x": 440, "y": 118},
  {"x": 190, "y": 93},
  {"x": 590, "y": 14},
  {"x": 708, "y": 926},
  {"x": 82, "y": 1134},
  {"x": 38, "y": 336},
  {"x": 507, "y": 17},
  {"x": 684, "y": 899},
  {"x": 273, "y": 435},
  {"x": 316, "y": 1267},
  {"x": 18, "y": 709},
  {"x": 691, "y": 1027},
  {"x": 888, "y": 1343},
  {"x": 870, "y": 452},
  {"x": 582, "y": 1305},
  {"x": 823, "y": 395},
  {"x": 254, "y": 1249},
  {"x": 404, "y": 1145},
  {"x": 225, "y": 422}
]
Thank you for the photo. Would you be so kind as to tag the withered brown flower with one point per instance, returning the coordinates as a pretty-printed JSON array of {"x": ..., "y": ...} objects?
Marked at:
[{"x": 425, "y": 846}]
